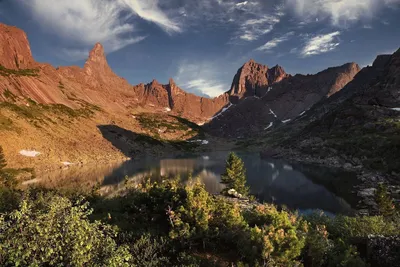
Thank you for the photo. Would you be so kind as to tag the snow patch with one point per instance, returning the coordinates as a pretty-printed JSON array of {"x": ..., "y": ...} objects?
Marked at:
[
  {"x": 167, "y": 109},
  {"x": 301, "y": 114},
  {"x": 66, "y": 163},
  {"x": 286, "y": 121},
  {"x": 151, "y": 105},
  {"x": 222, "y": 111},
  {"x": 206, "y": 157},
  {"x": 32, "y": 181},
  {"x": 29, "y": 153},
  {"x": 203, "y": 142},
  {"x": 397, "y": 109},
  {"x": 273, "y": 113},
  {"x": 268, "y": 90},
  {"x": 269, "y": 126}
]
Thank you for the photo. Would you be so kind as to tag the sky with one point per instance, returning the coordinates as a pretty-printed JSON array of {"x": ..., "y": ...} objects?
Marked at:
[{"x": 202, "y": 43}]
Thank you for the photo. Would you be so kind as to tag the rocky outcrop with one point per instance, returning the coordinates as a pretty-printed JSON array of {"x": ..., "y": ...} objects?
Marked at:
[
  {"x": 171, "y": 98},
  {"x": 281, "y": 99},
  {"x": 253, "y": 79},
  {"x": 15, "y": 52},
  {"x": 357, "y": 128},
  {"x": 95, "y": 83}
]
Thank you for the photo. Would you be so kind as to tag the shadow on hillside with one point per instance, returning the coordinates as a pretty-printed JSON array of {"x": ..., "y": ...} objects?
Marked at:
[
  {"x": 134, "y": 144},
  {"x": 128, "y": 142}
]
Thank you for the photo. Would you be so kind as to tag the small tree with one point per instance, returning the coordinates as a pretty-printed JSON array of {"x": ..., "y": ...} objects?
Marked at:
[
  {"x": 2, "y": 159},
  {"x": 234, "y": 176},
  {"x": 385, "y": 202}
]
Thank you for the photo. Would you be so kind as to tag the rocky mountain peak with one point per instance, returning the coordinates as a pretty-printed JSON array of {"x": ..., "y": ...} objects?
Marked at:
[
  {"x": 253, "y": 79},
  {"x": 97, "y": 54},
  {"x": 97, "y": 61},
  {"x": 15, "y": 51},
  {"x": 154, "y": 83}
]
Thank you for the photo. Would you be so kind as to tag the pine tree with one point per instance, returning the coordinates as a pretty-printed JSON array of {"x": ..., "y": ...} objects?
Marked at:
[
  {"x": 385, "y": 202},
  {"x": 235, "y": 175},
  {"x": 2, "y": 159}
]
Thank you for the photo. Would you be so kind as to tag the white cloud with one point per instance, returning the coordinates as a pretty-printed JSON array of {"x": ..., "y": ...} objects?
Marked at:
[
  {"x": 258, "y": 22},
  {"x": 242, "y": 3},
  {"x": 274, "y": 42},
  {"x": 200, "y": 78},
  {"x": 82, "y": 23},
  {"x": 320, "y": 44},
  {"x": 150, "y": 11},
  {"x": 340, "y": 12}
]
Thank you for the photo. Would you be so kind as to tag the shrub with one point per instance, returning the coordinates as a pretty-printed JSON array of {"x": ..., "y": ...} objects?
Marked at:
[
  {"x": 278, "y": 237},
  {"x": 384, "y": 201},
  {"x": 3, "y": 162},
  {"x": 235, "y": 175},
  {"x": 149, "y": 252},
  {"x": 53, "y": 231}
]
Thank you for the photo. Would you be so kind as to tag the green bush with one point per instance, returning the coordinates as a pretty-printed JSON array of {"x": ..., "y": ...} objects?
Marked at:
[
  {"x": 53, "y": 231},
  {"x": 385, "y": 203},
  {"x": 171, "y": 224},
  {"x": 278, "y": 236},
  {"x": 149, "y": 252},
  {"x": 3, "y": 162},
  {"x": 234, "y": 176}
]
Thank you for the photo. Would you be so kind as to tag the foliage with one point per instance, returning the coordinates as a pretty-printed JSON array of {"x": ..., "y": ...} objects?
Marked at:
[
  {"x": 149, "y": 252},
  {"x": 170, "y": 224},
  {"x": 3, "y": 162},
  {"x": 385, "y": 203},
  {"x": 9, "y": 95},
  {"x": 235, "y": 175},
  {"x": 278, "y": 235},
  {"x": 19, "y": 72},
  {"x": 345, "y": 227},
  {"x": 51, "y": 230}
]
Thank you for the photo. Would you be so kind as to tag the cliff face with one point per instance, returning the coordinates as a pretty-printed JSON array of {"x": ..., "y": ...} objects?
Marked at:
[
  {"x": 15, "y": 52},
  {"x": 95, "y": 83},
  {"x": 253, "y": 79},
  {"x": 274, "y": 95},
  {"x": 277, "y": 100}
]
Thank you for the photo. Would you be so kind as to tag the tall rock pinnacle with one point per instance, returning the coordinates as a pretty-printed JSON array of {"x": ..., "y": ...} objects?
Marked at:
[{"x": 97, "y": 62}]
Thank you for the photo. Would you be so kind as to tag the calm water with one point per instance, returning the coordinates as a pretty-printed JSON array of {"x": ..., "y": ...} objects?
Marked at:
[{"x": 273, "y": 181}]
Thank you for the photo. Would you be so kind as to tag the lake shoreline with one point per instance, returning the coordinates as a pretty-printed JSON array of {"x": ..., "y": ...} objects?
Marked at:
[{"x": 368, "y": 180}]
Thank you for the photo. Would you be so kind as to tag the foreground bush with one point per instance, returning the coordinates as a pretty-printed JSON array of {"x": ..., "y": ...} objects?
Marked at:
[
  {"x": 54, "y": 231},
  {"x": 170, "y": 224}
]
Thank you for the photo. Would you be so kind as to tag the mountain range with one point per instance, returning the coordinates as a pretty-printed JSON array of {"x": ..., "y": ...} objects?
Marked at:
[{"x": 80, "y": 115}]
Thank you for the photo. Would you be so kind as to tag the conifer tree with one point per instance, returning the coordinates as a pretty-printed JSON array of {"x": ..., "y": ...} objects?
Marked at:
[
  {"x": 385, "y": 202},
  {"x": 234, "y": 176},
  {"x": 2, "y": 159}
]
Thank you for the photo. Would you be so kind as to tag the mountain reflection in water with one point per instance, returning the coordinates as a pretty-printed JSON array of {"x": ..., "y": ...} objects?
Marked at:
[{"x": 272, "y": 181}]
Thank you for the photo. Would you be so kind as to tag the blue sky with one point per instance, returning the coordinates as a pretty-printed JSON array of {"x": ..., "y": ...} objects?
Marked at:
[{"x": 202, "y": 43}]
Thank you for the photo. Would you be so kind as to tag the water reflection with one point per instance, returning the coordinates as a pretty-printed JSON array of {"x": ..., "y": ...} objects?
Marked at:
[{"x": 270, "y": 180}]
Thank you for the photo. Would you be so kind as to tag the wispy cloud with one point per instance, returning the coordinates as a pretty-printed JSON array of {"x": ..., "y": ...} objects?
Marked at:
[
  {"x": 319, "y": 44},
  {"x": 82, "y": 23},
  {"x": 257, "y": 22},
  {"x": 275, "y": 42},
  {"x": 200, "y": 78},
  {"x": 150, "y": 11},
  {"x": 340, "y": 12}
]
